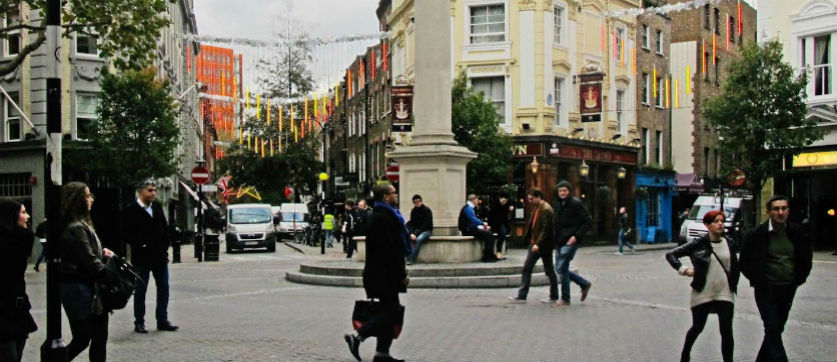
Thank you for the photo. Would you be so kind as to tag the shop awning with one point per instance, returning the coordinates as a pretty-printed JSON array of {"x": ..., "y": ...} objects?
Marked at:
[
  {"x": 689, "y": 183},
  {"x": 207, "y": 203},
  {"x": 189, "y": 190}
]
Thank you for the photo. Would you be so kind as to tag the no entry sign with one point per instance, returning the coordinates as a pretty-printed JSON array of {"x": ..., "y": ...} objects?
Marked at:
[
  {"x": 200, "y": 175},
  {"x": 392, "y": 173}
]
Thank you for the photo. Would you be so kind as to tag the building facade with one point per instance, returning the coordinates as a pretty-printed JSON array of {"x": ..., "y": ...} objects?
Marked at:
[{"x": 808, "y": 31}]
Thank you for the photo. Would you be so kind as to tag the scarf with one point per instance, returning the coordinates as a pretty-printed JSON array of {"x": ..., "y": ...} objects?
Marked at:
[{"x": 403, "y": 232}]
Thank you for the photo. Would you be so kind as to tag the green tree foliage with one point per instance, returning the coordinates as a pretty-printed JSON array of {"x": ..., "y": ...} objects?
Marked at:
[
  {"x": 760, "y": 113},
  {"x": 476, "y": 125},
  {"x": 127, "y": 30},
  {"x": 295, "y": 165},
  {"x": 136, "y": 134}
]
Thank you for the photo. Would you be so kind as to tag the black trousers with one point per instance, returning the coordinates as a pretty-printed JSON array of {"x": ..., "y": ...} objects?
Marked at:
[
  {"x": 548, "y": 269},
  {"x": 487, "y": 239},
  {"x": 699, "y": 314},
  {"x": 382, "y": 324},
  {"x": 11, "y": 349},
  {"x": 774, "y": 303},
  {"x": 92, "y": 331}
]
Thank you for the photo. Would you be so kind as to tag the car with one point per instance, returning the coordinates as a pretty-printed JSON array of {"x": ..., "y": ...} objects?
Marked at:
[
  {"x": 293, "y": 219},
  {"x": 738, "y": 208},
  {"x": 250, "y": 226}
]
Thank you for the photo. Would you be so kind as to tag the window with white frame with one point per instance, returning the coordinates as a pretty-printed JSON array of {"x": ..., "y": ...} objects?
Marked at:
[
  {"x": 659, "y": 42},
  {"x": 658, "y": 147},
  {"x": 493, "y": 90},
  {"x": 646, "y": 89},
  {"x": 646, "y": 34},
  {"x": 11, "y": 118},
  {"x": 488, "y": 23},
  {"x": 558, "y": 23},
  {"x": 620, "y": 103},
  {"x": 822, "y": 65},
  {"x": 620, "y": 38},
  {"x": 11, "y": 44},
  {"x": 559, "y": 100},
  {"x": 86, "y": 115},
  {"x": 87, "y": 44}
]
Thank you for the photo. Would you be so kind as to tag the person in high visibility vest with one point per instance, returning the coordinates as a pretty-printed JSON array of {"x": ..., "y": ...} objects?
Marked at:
[{"x": 328, "y": 227}]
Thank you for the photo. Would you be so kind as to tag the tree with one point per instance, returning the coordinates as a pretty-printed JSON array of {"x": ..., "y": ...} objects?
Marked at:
[
  {"x": 760, "y": 114},
  {"x": 287, "y": 75},
  {"x": 476, "y": 125},
  {"x": 136, "y": 134},
  {"x": 127, "y": 30},
  {"x": 295, "y": 165}
]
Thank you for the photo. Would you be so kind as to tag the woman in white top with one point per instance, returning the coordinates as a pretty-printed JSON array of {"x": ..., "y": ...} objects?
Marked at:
[{"x": 715, "y": 276}]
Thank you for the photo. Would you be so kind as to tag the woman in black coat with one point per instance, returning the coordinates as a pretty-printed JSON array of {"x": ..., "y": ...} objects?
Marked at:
[
  {"x": 82, "y": 265},
  {"x": 715, "y": 274},
  {"x": 15, "y": 246}
]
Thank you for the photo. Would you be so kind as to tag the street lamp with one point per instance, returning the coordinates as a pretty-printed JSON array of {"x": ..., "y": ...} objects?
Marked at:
[
  {"x": 583, "y": 170},
  {"x": 534, "y": 167},
  {"x": 621, "y": 172}
]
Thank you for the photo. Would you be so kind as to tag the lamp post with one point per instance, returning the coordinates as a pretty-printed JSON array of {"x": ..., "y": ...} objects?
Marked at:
[
  {"x": 534, "y": 167},
  {"x": 199, "y": 218},
  {"x": 583, "y": 170},
  {"x": 323, "y": 178}
]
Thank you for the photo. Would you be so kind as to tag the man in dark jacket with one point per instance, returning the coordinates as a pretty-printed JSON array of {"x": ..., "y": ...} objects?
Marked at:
[
  {"x": 776, "y": 257},
  {"x": 146, "y": 230},
  {"x": 539, "y": 236},
  {"x": 571, "y": 223},
  {"x": 420, "y": 226},
  {"x": 469, "y": 225},
  {"x": 384, "y": 274},
  {"x": 498, "y": 219}
]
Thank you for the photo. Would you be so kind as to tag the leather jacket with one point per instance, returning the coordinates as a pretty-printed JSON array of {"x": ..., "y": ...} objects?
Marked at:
[
  {"x": 81, "y": 256},
  {"x": 700, "y": 252}
]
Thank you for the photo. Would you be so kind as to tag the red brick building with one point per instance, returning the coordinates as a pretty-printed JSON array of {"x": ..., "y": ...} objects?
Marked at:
[{"x": 220, "y": 74}]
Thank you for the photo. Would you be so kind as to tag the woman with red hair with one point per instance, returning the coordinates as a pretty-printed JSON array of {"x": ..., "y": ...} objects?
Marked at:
[{"x": 714, "y": 274}]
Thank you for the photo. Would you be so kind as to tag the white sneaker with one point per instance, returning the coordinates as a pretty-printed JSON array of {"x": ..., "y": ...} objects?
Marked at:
[{"x": 617, "y": 253}]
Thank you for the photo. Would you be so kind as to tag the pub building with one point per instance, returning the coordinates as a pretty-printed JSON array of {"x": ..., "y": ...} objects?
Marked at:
[{"x": 602, "y": 176}]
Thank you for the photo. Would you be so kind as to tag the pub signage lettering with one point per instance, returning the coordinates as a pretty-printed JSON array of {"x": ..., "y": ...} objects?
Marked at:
[{"x": 527, "y": 150}]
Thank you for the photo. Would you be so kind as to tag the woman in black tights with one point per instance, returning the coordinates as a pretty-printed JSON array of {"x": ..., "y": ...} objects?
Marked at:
[{"x": 714, "y": 274}]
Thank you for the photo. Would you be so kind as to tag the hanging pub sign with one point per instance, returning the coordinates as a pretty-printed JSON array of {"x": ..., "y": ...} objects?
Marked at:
[
  {"x": 402, "y": 108},
  {"x": 591, "y": 97}
]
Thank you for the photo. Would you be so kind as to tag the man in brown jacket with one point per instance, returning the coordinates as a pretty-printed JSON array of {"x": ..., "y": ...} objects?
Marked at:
[{"x": 539, "y": 236}]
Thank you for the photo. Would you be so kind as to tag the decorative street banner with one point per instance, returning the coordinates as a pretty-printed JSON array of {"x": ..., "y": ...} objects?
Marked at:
[
  {"x": 402, "y": 108},
  {"x": 591, "y": 97}
]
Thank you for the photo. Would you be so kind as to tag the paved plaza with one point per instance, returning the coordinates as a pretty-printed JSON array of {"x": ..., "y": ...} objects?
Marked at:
[{"x": 243, "y": 309}]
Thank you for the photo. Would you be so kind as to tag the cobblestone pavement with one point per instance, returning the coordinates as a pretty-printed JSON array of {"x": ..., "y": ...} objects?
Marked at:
[{"x": 242, "y": 309}]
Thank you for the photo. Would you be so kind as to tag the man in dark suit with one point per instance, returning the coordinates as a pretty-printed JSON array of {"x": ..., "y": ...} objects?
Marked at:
[
  {"x": 539, "y": 237},
  {"x": 384, "y": 274},
  {"x": 145, "y": 229},
  {"x": 776, "y": 257}
]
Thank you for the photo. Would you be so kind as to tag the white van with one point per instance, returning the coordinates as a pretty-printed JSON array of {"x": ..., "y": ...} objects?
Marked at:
[
  {"x": 250, "y": 226},
  {"x": 294, "y": 216},
  {"x": 738, "y": 210}
]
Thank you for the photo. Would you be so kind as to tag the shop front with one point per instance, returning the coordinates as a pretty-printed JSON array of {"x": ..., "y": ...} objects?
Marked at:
[
  {"x": 654, "y": 215},
  {"x": 602, "y": 175}
]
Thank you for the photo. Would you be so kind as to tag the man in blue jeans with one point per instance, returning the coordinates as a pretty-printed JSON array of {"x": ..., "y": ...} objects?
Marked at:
[
  {"x": 420, "y": 226},
  {"x": 571, "y": 224}
]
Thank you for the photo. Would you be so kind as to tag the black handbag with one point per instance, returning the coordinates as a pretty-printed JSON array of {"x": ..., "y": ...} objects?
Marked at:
[
  {"x": 119, "y": 285},
  {"x": 366, "y": 309}
]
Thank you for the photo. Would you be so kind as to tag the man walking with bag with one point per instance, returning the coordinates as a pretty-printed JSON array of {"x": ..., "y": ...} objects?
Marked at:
[
  {"x": 146, "y": 230},
  {"x": 539, "y": 236},
  {"x": 384, "y": 274}
]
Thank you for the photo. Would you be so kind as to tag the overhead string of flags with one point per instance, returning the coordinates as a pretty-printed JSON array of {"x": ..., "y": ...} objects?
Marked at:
[{"x": 327, "y": 97}]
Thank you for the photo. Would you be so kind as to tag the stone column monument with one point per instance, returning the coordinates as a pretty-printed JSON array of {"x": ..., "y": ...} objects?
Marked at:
[{"x": 433, "y": 165}]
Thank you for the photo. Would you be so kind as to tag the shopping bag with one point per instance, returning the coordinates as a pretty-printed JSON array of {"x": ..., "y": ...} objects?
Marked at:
[{"x": 366, "y": 309}]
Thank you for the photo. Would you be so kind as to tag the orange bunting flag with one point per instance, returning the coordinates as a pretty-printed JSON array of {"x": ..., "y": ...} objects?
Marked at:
[
  {"x": 361, "y": 74},
  {"x": 256, "y": 144},
  {"x": 714, "y": 54},
  {"x": 188, "y": 58},
  {"x": 262, "y": 148},
  {"x": 296, "y": 132},
  {"x": 348, "y": 83},
  {"x": 703, "y": 55},
  {"x": 676, "y": 93},
  {"x": 633, "y": 60},
  {"x": 668, "y": 94},
  {"x": 603, "y": 37},
  {"x": 271, "y": 148},
  {"x": 740, "y": 21},
  {"x": 223, "y": 88},
  {"x": 373, "y": 65},
  {"x": 384, "y": 53},
  {"x": 728, "y": 29}
]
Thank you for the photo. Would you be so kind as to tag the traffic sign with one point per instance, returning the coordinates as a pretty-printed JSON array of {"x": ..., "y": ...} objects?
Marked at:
[
  {"x": 200, "y": 175},
  {"x": 392, "y": 173}
]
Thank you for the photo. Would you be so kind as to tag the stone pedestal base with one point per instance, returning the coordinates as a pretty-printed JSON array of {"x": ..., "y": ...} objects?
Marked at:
[{"x": 439, "y": 249}]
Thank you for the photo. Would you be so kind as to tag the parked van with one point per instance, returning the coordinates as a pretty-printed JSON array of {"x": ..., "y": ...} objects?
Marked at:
[
  {"x": 739, "y": 210},
  {"x": 294, "y": 216},
  {"x": 250, "y": 226}
]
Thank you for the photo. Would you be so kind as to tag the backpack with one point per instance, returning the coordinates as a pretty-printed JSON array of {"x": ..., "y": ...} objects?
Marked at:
[{"x": 119, "y": 285}]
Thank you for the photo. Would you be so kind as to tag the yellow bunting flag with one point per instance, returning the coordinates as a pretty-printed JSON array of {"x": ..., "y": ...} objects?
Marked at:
[
  {"x": 668, "y": 94},
  {"x": 271, "y": 148},
  {"x": 622, "y": 54},
  {"x": 306, "y": 110},
  {"x": 258, "y": 106},
  {"x": 256, "y": 144},
  {"x": 262, "y": 148},
  {"x": 336, "y": 95},
  {"x": 676, "y": 93},
  {"x": 688, "y": 79},
  {"x": 296, "y": 132},
  {"x": 223, "y": 89},
  {"x": 248, "y": 141},
  {"x": 703, "y": 55},
  {"x": 247, "y": 99},
  {"x": 316, "y": 105},
  {"x": 240, "y": 136},
  {"x": 654, "y": 78},
  {"x": 324, "y": 111}
]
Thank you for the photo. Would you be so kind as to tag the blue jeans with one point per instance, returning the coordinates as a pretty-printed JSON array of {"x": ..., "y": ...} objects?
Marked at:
[
  {"x": 563, "y": 256},
  {"x": 621, "y": 239},
  {"x": 161, "y": 280},
  {"x": 328, "y": 237},
  {"x": 420, "y": 238}
]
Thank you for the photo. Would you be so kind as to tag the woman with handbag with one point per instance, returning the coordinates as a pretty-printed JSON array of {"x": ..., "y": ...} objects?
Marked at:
[
  {"x": 15, "y": 246},
  {"x": 714, "y": 274},
  {"x": 82, "y": 265}
]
